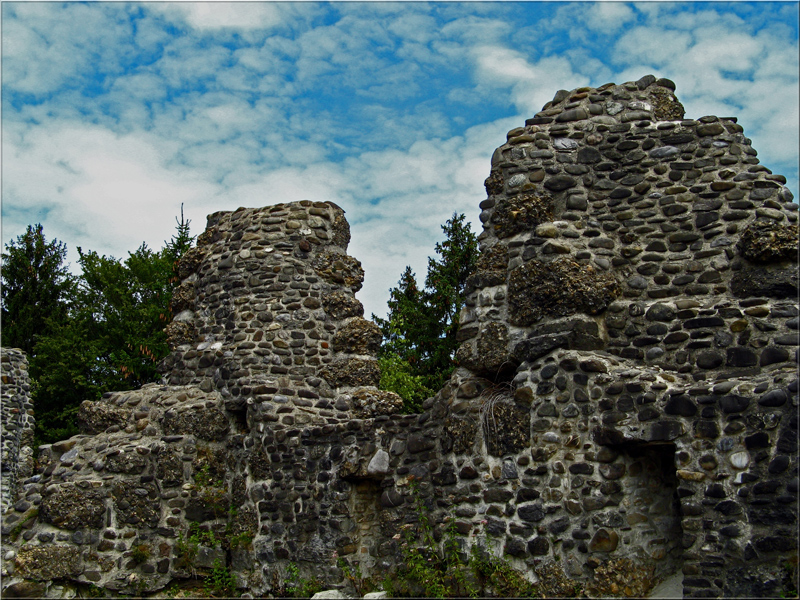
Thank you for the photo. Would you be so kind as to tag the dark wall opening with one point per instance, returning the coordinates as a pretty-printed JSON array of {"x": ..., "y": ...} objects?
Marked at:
[{"x": 650, "y": 504}]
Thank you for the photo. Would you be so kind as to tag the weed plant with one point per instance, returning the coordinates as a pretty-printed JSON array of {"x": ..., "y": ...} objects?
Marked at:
[
  {"x": 220, "y": 583},
  {"x": 140, "y": 553},
  {"x": 435, "y": 571},
  {"x": 362, "y": 585},
  {"x": 295, "y": 586},
  {"x": 210, "y": 490},
  {"x": 495, "y": 572}
]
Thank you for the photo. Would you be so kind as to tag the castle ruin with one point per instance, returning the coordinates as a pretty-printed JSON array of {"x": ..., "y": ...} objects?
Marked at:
[{"x": 625, "y": 403}]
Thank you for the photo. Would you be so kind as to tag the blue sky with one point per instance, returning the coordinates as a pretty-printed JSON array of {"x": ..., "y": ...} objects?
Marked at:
[{"x": 113, "y": 114}]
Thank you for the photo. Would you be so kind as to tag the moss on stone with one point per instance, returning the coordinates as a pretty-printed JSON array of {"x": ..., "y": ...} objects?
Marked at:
[
  {"x": 494, "y": 258},
  {"x": 136, "y": 503},
  {"x": 169, "y": 468},
  {"x": 521, "y": 213},
  {"x": 490, "y": 269},
  {"x": 341, "y": 231},
  {"x": 666, "y": 107},
  {"x": 339, "y": 305},
  {"x": 130, "y": 463},
  {"x": 191, "y": 260},
  {"x": 355, "y": 372},
  {"x": 490, "y": 355},
  {"x": 43, "y": 563},
  {"x": 70, "y": 507},
  {"x": 556, "y": 289},
  {"x": 622, "y": 577},
  {"x": 209, "y": 424},
  {"x": 259, "y": 463},
  {"x": 370, "y": 402},
  {"x": 554, "y": 583},
  {"x": 358, "y": 336},
  {"x": 461, "y": 433},
  {"x": 183, "y": 298},
  {"x": 97, "y": 416},
  {"x": 767, "y": 242},
  {"x": 339, "y": 268},
  {"x": 506, "y": 425},
  {"x": 494, "y": 183},
  {"x": 180, "y": 333}
]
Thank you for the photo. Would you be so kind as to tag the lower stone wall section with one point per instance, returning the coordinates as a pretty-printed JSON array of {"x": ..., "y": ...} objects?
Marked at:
[{"x": 177, "y": 484}]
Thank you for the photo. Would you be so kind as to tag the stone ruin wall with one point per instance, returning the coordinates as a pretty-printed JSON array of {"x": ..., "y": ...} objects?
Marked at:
[
  {"x": 16, "y": 462},
  {"x": 266, "y": 315},
  {"x": 637, "y": 294},
  {"x": 625, "y": 404}
]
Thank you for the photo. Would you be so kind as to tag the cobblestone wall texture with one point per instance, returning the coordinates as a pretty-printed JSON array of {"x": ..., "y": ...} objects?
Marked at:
[
  {"x": 625, "y": 403},
  {"x": 17, "y": 422}
]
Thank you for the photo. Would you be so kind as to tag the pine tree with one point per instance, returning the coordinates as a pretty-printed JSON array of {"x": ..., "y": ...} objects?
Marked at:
[
  {"x": 180, "y": 242},
  {"x": 445, "y": 287},
  {"x": 420, "y": 329},
  {"x": 36, "y": 286},
  {"x": 114, "y": 335}
]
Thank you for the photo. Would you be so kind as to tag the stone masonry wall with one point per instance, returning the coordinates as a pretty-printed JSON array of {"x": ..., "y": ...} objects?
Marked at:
[
  {"x": 267, "y": 306},
  {"x": 637, "y": 290},
  {"x": 17, "y": 423},
  {"x": 625, "y": 402}
]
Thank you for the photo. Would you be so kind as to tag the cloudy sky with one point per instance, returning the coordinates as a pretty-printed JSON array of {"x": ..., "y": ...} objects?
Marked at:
[{"x": 113, "y": 114}]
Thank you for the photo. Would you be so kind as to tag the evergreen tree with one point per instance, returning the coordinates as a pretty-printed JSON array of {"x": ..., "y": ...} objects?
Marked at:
[
  {"x": 398, "y": 330},
  {"x": 66, "y": 371},
  {"x": 36, "y": 285},
  {"x": 420, "y": 330},
  {"x": 114, "y": 336},
  {"x": 180, "y": 242},
  {"x": 125, "y": 305},
  {"x": 445, "y": 285}
]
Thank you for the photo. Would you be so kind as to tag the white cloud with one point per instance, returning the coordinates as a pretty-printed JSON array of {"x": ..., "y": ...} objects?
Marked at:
[
  {"x": 532, "y": 84},
  {"x": 502, "y": 65},
  {"x": 104, "y": 192},
  {"x": 414, "y": 28},
  {"x": 138, "y": 87},
  {"x": 651, "y": 44},
  {"x": 697, "y": 21},
  {"x": 580, "y": 20},
  {"x": 608, "y": 17},
  {"x": 375, "y": 107},
  {"x": 221, "y": 15},
  {"x": 48, "y": 46},
  {"x": 477, "y": 31}
]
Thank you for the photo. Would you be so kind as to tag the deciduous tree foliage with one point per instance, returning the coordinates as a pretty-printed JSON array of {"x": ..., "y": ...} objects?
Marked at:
[{"x": 420, "y": 330}]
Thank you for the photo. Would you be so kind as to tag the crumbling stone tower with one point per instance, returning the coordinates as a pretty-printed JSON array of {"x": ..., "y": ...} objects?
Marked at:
[
  {"x": 637, "y": 293},
  {"x": 266, "y": 314}
]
